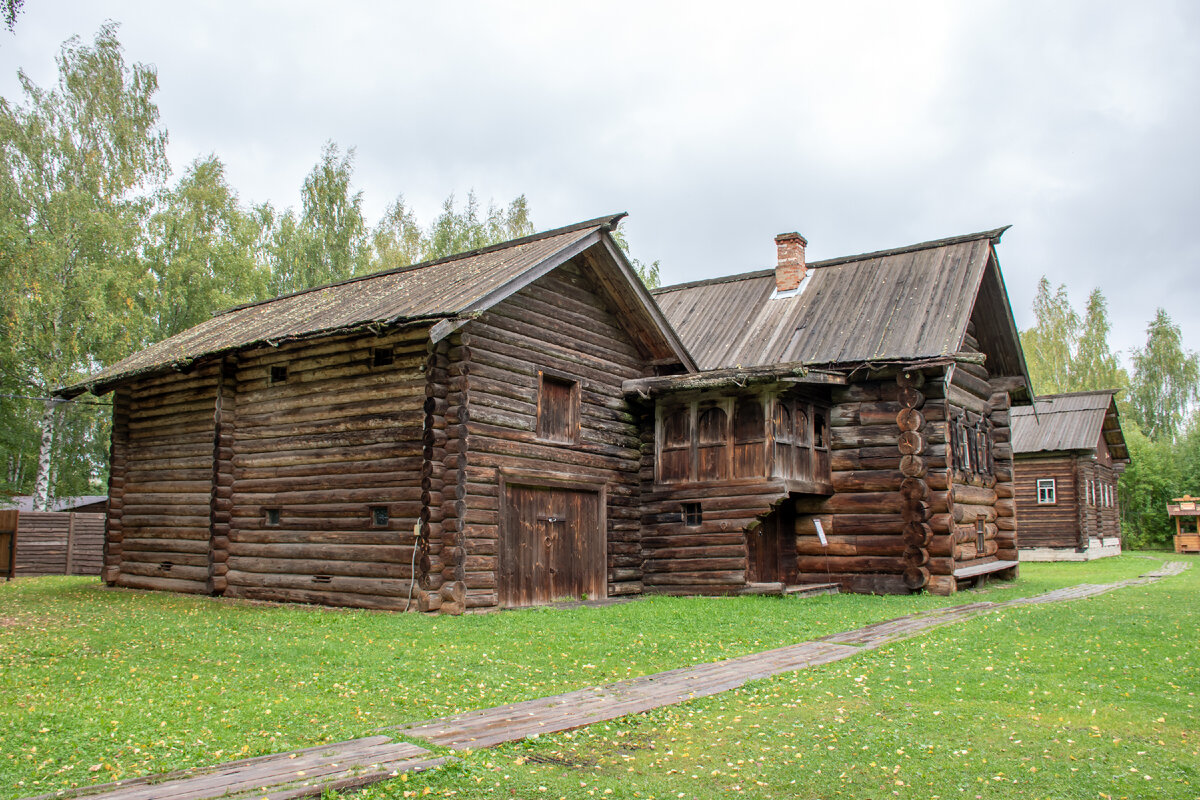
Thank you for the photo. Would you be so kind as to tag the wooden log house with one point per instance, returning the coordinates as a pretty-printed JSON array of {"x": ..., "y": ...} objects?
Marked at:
[
  {"x": 885, "y": 382},
  {"x": 1069, "y": 452},
  {"x": 523, "y": 423}
]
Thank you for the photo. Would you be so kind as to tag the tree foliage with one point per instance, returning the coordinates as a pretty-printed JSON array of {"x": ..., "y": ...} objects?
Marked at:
[
  {"x": 1067, "y": 353},
  {"x": 201, "y": 252},
  {"x": 329, "y": 241},
  {"x": 100, "y": 257},
  {"x": 77, "y": 165},
  {"x": 647, "y": 273},
  {"x": 1166, "y": 380}
]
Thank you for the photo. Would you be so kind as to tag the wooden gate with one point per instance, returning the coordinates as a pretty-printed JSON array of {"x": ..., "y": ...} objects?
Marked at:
[
  {"x": 771, "y": 548},
  {"x": 552, "y": 543}
]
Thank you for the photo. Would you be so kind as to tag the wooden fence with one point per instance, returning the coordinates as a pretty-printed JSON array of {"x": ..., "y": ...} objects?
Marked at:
[{"x": 58, "y": 543}]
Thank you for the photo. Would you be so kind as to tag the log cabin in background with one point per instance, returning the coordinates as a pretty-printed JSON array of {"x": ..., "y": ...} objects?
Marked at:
[
  {"x": 1069, "y": 451},
  {"x": 522, "y": 423}
]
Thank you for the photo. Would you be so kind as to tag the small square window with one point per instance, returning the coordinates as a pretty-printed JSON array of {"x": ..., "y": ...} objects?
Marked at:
[
  {"x": 271, "y": 516},
  {"x": 692, "y": 515},
  {"x": 279, "y": 374},
  {"x": 382, "y": 356},
  {"x": 1045, "y": 492},
  {"x": 379, "y": 516}
]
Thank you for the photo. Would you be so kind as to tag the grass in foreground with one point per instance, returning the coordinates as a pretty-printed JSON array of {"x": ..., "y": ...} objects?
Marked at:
[
  {"x": 1088, "y": 699},
  {"x": 96, "y": 685}
]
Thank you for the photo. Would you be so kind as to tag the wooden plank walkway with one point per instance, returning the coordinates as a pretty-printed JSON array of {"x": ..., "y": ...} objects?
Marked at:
[{"x": 358, "y": 762}]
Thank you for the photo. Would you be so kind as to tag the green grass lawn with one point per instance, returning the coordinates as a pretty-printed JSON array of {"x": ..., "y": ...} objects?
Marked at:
[{"x": 99, "y": 684}]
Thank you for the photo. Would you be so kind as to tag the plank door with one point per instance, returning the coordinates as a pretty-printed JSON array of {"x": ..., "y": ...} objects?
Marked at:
[
  {"x": 771, "y": 548},
  {"x": 552, "y": 546}
]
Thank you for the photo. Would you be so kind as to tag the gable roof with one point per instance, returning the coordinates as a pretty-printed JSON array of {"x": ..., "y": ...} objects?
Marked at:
[
  {"x": 1074, "y": 421},
  {"x": 449, "y": 289},
  {"x": 904, "y": 304}
]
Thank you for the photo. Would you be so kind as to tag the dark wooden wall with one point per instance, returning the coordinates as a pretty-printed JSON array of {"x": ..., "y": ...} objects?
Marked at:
[
  {"x": 1072, "y": 519},
  {"x": 865, "y": 521},
  {"x": 339, "y": 437},
  {"x": 161, "y": 482},
  {"x": 1049, "y": 525},
  {"x": 58, "y": 543},
  {"x": 558, "y": 324}
]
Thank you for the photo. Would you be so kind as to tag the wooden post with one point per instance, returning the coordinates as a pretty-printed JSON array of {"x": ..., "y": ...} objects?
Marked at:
[{"x": 67, "y": 570}]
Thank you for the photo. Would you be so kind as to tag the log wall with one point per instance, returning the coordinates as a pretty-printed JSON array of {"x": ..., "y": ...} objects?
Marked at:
[
  {"x": 312, "y": 455},
  {"x": 1077, "y": 515},
  {"x": 161, "y": 481},
  {"x": 560, "y": 325},
  {"x": 58, "y": 543},
  {"x": 889, "y": 476}
]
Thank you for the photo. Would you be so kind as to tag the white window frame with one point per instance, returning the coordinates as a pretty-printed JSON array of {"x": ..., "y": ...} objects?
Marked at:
[{"x": 1046, "y": 494}]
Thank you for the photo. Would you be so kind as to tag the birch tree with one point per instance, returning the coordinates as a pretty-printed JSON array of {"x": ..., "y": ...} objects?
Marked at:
[
  {"x": 77, "y": 164},
  {"x": 1166, "y": 380}
]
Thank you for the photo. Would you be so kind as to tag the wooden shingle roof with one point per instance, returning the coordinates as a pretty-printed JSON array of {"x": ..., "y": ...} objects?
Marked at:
[
  {"x": 904, "y": 304},
  {"x": 444, "y": 289},
  {"x": 1064, "y": 422}
]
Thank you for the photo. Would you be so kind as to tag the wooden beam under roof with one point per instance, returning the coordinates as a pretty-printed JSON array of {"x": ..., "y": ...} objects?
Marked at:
[{"x": 791, "y": 372}]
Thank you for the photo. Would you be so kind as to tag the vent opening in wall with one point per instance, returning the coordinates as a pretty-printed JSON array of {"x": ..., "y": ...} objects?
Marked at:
[
  {"x": 166, "y": 566},
  {"x": 382, "y": 356},
  {"x": 692, "y": 514},
  {"x": 379, "y": 516},
  {"x": 279, "y": 374},
  {"x": 322, "y": 578},
  {"x": 271, "y": 516}
]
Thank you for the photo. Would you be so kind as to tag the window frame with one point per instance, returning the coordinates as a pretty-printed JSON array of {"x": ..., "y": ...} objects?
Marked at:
[{"x": 1047, "y": 492}]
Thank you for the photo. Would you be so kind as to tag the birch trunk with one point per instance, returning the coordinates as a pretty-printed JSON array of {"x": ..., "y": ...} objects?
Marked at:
[{"x": 41, "y": 485}]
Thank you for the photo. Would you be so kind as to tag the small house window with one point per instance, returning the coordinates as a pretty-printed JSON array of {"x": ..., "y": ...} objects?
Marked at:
[
  {"x": 379, "y": 516},
  {"x": 382, "y": 356},
  {"x": 271, "y": 516},
  {"x": 820, "y": 431},
  {"x": 279, "y": 373},
  {"x": 558, "y": 409},
  {"x": 692, "y": 515},
  {"x": 1045, "y": 491}
]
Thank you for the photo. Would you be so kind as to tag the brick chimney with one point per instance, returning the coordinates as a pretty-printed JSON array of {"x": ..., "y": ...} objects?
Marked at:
[{"x": 790, "y": 269}]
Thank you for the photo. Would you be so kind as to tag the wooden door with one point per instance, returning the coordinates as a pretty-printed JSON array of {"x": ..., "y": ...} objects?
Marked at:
[
  {"x": 552, "y": 546},
  {"x": 771, "y": 548}
]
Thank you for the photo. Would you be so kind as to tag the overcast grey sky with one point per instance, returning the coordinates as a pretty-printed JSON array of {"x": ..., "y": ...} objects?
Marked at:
[{"x": 715, "y": 125}]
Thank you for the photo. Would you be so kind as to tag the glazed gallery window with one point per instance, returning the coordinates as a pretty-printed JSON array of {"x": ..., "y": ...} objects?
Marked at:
[{"x": 1045, "y": 491}]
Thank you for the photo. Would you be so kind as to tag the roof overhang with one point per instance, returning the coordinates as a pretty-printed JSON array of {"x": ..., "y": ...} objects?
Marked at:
[{"x": 793, "y": 373}]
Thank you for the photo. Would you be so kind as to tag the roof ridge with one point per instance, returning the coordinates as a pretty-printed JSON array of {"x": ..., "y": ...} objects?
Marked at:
[
  {"x": 610, "y": 221},
  {"x": 994, "y": 235},
  {"x": 744, "y": 276}
]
